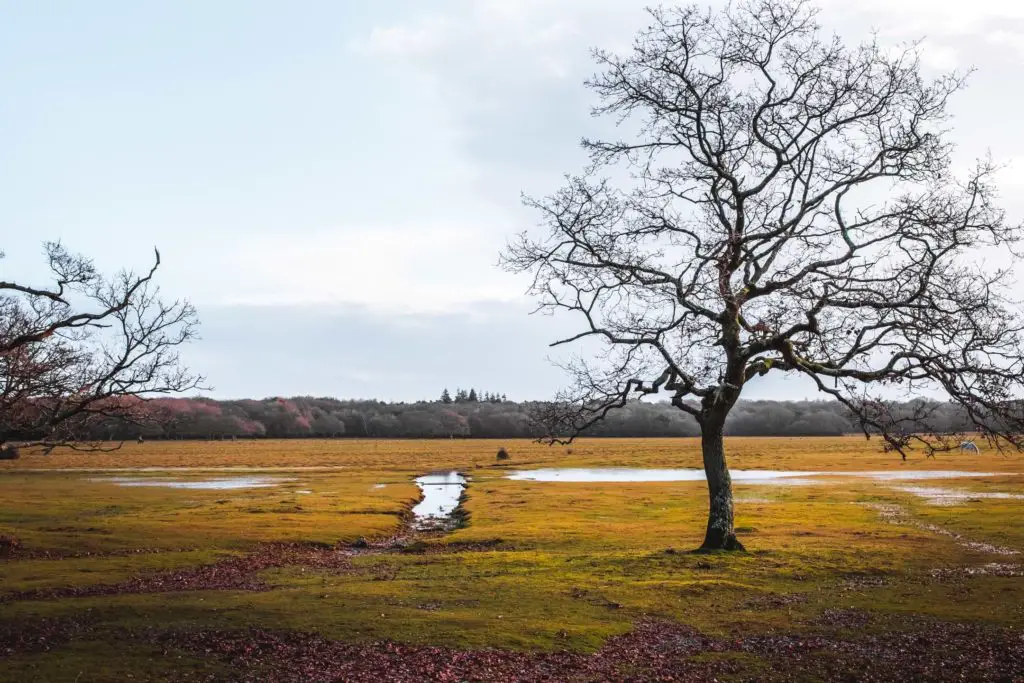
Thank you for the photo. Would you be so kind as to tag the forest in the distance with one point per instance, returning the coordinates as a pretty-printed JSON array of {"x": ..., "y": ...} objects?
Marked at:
[{"x": 470, "y": 416}]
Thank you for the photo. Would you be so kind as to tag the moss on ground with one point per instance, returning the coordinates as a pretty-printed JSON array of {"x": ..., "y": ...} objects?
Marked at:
[
  {"x": 540, "y": 566},
  {"x": 101, "y": 662}
]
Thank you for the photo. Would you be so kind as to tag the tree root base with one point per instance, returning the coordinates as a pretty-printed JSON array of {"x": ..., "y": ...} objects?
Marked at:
[{"x": 728, "y": 544}]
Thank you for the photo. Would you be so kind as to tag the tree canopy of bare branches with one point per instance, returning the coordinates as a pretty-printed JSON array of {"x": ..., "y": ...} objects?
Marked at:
[
  {"x": 84, "y": 347},
  {"x": 780, "y": 202}
]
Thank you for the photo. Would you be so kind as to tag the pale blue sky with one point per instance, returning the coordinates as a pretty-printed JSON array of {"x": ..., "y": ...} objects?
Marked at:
[{"x": 331, "y": 182}]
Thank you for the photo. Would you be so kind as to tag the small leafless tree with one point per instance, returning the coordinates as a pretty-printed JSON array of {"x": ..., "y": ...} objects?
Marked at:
[
  {"x": 781, "y": 203},
  {"x": 86, "y": 349}
]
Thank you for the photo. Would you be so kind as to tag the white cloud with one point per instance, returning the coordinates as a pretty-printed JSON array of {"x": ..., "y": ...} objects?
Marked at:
[
  {"x": 520, "y": 34},
  {"x": 477, "y": 30},
  {"x": 489, "y": 54},
  {"x": 941, "y": 17},
  {"x": 951, "y": 29},
  {"x": 1011, "y": 175},
  {"x": 423, "y": 268},
  {"x": 510, "y": 72},
  {"x": 1014, "y": 40},
  {"x": 423, "y": 38},
  {"x": 939, "y": 56}
]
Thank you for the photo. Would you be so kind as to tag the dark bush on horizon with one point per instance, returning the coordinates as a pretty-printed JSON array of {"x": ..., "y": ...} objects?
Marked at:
[{"x": 309, "y": 417}]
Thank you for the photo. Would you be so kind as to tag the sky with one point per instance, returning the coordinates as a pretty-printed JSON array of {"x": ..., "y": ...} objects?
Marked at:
[{"x": 331, "y": 183}]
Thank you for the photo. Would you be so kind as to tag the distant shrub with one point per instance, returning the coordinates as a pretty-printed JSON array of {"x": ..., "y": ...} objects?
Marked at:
[
  {"x": 9, "y": 453},
  {"x": 503, "y": 454},
  {"x": 8, "y": 544},
  {"x": 568, "y": 451}
]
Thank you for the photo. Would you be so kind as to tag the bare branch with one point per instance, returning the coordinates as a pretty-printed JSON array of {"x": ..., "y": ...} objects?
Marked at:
[
  {"x": 87, "y": 349},
  {"x": 793, "y": 211}
]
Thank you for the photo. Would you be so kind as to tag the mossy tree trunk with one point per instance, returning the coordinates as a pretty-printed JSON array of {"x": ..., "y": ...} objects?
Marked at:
[{"x": 720, "y": 534}]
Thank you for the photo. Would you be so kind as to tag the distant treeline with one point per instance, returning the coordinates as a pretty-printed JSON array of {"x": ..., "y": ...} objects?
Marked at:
[{"x": 307, "y": 417}]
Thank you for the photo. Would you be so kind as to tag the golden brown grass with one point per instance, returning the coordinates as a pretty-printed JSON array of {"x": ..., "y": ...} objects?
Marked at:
[
  {"x": 848, "y": 453},
  {"x": 574, "y": 563}
]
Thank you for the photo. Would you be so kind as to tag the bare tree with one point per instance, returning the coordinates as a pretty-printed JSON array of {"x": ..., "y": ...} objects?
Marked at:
[
  {"x": 780, "y": 202},
  {"x": 86, "y": 349}
]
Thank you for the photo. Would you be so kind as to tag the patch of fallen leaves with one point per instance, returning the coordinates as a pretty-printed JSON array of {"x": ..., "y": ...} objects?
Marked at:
[
  {"x": 939, "y": 652},
  {"x": 236, "y": 573},
  {"x": 593, "y": 598},
  {"x": 23, "y": 553},
  {"x": 39, "y": 636},
  {"x": 862, "y": 582},
  {"x": 9, "y": 545},
  {"x": 774, "y": 601},
  {"x": 652, "y": 651},
  {"x": 844, "y": 618},
  {"x": 417, "y": 542}
]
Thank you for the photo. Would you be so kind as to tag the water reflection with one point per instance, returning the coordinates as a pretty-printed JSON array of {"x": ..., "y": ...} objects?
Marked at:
[
  {"x": 216, "y": 484},
  {"x": 441, "y": 493},
  {"x": 625, "y": 474},
  {"x": 789, "y": 478}
]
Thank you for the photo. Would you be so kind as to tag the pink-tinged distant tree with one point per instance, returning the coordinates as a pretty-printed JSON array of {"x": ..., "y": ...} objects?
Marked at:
[
  {"x": 251, "y": 428},
  {"x": 84, "y": 349},
  {"x": 779, "y": 202}
]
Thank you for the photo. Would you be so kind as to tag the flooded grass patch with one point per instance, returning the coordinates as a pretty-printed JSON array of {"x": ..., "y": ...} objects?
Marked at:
[
  {"x": 222, "y": 484},
  {"x": 637, "y": 475},
  {"x": 442, "y": 494},
  {"x": 546, "y": 573},
  {"x": 941, "y": 496},
  {"x": 785, "y": 477}
]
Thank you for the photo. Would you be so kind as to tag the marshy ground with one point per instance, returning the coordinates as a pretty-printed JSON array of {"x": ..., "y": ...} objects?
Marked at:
[{"x": 317, "y": 571}]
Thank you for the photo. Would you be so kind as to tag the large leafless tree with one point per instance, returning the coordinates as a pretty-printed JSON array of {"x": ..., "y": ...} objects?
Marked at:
[
  {"x": 85, "y": 348},
  {"x": 780, "y": 203}
]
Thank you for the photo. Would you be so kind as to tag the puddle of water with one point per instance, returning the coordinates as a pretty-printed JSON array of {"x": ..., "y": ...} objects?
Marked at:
[
  {"x": 441, "y": 493},
  {"x": 897, "y": 514},
  {"x": 213, "y": 484},
  {"x": 940, "y": 496},
  {"x": 904, "y": 475},
  {"x": 636, "y": 475},
  {"x": 1000, "y": 569},
  {"x": 380, "y": 486},
  {"x": 304, "y": 493}
]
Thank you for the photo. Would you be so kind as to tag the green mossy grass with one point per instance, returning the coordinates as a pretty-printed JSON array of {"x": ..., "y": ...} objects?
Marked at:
[
  {"x": 537, "y": 566},
  {"x": 99, "y": 662}
]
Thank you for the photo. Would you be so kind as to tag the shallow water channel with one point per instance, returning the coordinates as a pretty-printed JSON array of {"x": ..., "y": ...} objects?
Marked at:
[
  {"x": 637, "y": 475},
  {"x": 441, "y": 493},
  {"x": 215, "y": 484},
  {"x": 935, "y": 495}
]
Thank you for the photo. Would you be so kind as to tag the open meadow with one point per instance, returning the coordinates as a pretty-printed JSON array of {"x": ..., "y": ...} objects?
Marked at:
[{"x": 315, "y": 569}]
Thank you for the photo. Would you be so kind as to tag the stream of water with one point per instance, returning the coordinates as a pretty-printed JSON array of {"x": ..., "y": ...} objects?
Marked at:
[
  {"x": 441, "y": 493},
  {"x": 637, "y": 475}
]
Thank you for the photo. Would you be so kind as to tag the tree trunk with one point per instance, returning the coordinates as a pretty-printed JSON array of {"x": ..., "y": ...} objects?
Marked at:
[{"x": 720, "y": 534}]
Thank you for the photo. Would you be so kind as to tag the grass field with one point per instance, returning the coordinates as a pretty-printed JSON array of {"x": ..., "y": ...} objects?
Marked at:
[{"x": 321, "y": 578}]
